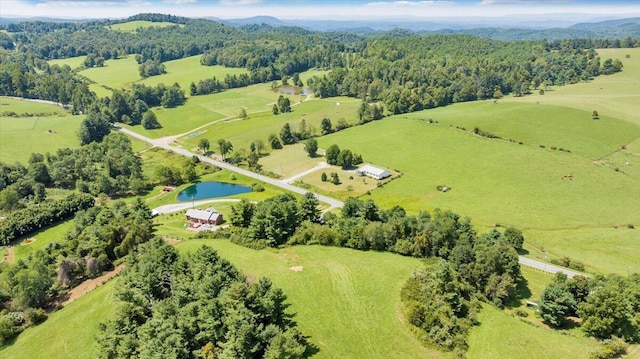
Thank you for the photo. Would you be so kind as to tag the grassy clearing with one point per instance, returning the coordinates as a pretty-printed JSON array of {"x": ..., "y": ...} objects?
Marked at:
[
  {"x": 359, "y": 313},
  {"x": 351, "y": 183},
  {"x": 23, "y": 107},
  {"x": 20, "y": 136},
  {"x": 535, "y": 125},
  {"x": 73, "y": 62},
  {"x": 41, "y": 239},
  {"x": 601, "y": 250},
  {"x": 68, "y": 333},
  {"x": 132, "y": 26},
  {"x": 492, "y": 181},
  {"x": 116, "y": 74},
  {"x": 616, "y": 95},
  {"x": 188, "y": 70},
  {"x": 502, "y": 336},
  {"x": 291, "y": 161}
]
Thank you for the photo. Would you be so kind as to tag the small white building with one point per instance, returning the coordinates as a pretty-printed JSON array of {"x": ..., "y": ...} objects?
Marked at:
[
  {"x": 204, "y": 216},
  {"x": 374, "y": 172}
]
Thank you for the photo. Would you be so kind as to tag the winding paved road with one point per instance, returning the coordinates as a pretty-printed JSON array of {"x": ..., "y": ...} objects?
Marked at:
[{"x": 165, "y": 143}]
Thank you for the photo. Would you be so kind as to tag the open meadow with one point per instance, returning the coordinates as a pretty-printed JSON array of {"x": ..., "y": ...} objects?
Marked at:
[
  {"x": 616, "y": 96},
  {"x": 47, "y": 128},
  {"x": 132, "y": 26}
]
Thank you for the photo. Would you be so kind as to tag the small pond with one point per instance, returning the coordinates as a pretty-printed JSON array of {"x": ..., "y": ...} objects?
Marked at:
[
  {"x": 210, "y": 189},
  {"x": 292, "y": 90}
]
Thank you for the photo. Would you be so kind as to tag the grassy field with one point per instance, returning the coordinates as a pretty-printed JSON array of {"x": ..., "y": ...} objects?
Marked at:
[
  {"x": 504, "y": 336},
  {"x": 68, "y": 333},
  {"x": 132, "y": 26},
  {"x": 73, "y": 62},
  {"x": 259, "y": 126},
  {"x": 533, "y": 124},
  {"x": 188, "y": 70},
  {"x": 24, "y": 107},
  {"x": 359, "y": 314},
  {"x": 116, "y": 74},
  {"x": 616, "y": 95},
  {"x": 20, "y": 136},
  {"x": 41, "y": 239}
]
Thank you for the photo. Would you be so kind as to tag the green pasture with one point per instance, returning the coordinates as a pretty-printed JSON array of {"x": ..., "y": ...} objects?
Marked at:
[
  {"x": 73, "y": 62},
  {"x": 21, "y": 136},
  {"x": 601, "y": 250},
  {"x": 258, "y": 126},
  {"x": 292, "y": 161},
  {"x": 491, "y": 181},
  {"x": 69, "y": 332},
  {"x": 616, "y": 95},
  {"x": 188, "y": 70},
  {"x": 502, "y": 336},
  {"x": 625, "y": 160},
  {"x": 132, "y": 26},
  {"x": 537, "y": 124},
  {"x": 101, "y": 91},
  {"x": 27, "y": 108},
  {"x": 116, "y": 74},
  {"x": 177, "y": 120},
  {"x": 305, "y": 76},
  {"x": 347, "y": 301},
  {"x": 351, "y": 183}
]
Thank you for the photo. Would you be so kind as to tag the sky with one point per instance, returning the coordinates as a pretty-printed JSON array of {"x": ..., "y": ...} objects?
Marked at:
[{"x": 322, "y": 9}]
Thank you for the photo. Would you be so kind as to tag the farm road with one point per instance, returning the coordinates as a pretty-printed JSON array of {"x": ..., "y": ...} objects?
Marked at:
[
  {"x": 176, "y": 207},
  {"x": 163, "y": 143}
]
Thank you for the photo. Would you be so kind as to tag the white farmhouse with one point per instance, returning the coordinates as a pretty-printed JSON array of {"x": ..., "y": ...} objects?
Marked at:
[{"x": 374, "y": 172}]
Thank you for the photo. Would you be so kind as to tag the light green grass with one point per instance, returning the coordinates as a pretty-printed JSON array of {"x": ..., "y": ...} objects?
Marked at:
[
  {"x": 68, "y": 333},
  {"x": 188, "y": 70},
  {"x": 305, "y": 76},
  {"x": 73, "y": 62},
  {"x": 41, "y": 239},
  {"x": 21, "y": 136},
  {"x": 22, "y": 107},
  {"x": 502, "y": 336},
  {"x": 492, "y": 181},
  {"x": 116, "y": 74},
  {"x": 601, "y": 250},
  {"x": 348, "y": 302},
  {"x": 132, "y": 26},
  {"x": 291, "y": 161},
  {"x": 258, "y": 126},
  {"x": 177, "y": 120},
  {"x": 616, "y": 95},
  {"x": 535, "y": 125}
]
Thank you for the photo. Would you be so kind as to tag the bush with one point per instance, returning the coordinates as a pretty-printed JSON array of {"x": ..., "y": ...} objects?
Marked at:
[
  {"x": 257, "y": 187},
  {"x": 611, "y": 348},
  {"x": 521, "y": 313},
  {"x": 7, "y": 330}
]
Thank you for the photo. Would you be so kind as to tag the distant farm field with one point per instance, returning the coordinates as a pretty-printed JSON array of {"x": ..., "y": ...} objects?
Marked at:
[
  {"x": 73, "y": 62},
  {"x": 132, "y": 26},
  {"x": 616, "y": 95},
  {"x": 116, "y": 74},
  {"x": 188, "y": 70}
]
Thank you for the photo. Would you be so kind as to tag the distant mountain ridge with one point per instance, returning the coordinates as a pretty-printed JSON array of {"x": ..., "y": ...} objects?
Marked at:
[{"x": 483, "y": 27}]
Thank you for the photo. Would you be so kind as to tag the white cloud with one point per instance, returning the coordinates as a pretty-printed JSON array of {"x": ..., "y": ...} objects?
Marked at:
[{"x": 240, "y": 2}]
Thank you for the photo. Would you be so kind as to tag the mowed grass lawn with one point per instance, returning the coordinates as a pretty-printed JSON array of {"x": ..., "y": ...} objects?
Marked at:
[
  {"x": 22, "y": 107},
  {"x": 116, "y": 74},
  {"x": 69, "y": 332},
  {"x": 616, "y": 95}
]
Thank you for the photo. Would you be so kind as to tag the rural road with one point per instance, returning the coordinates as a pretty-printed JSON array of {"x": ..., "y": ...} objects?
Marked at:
[
  {"x": 176, "y": 207},
  {"x": 163, "y": 143}
]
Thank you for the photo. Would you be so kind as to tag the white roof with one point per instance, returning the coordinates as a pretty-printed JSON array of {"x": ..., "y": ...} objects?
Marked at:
[
  {"x": 202, "y": 214},
  {"x": 373, "y": 170}
]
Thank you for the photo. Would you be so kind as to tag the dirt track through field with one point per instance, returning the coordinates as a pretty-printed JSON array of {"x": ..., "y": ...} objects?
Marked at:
[{"x": 89, "y": 285}]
